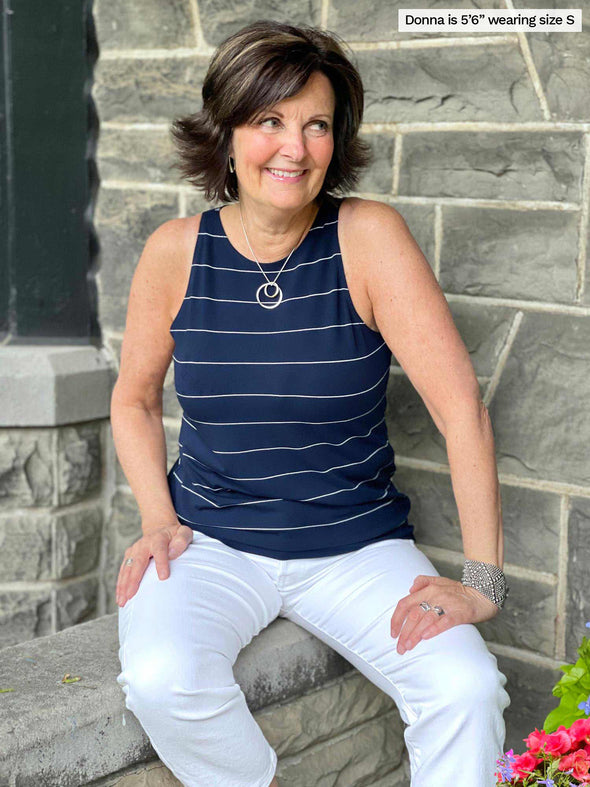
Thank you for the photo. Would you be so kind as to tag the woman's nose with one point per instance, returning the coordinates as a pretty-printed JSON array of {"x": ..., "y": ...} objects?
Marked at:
[{"x": 293, "y": 145}]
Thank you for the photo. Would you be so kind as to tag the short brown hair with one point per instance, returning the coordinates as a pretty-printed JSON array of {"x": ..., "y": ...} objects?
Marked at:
[{"x": 260, "y": 65}]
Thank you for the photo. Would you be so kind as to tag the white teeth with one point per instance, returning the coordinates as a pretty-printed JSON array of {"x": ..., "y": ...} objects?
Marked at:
[{"x": 281, "y": 173}]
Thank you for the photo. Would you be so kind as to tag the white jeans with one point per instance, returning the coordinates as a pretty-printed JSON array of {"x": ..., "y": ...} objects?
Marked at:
[{"x": 180, "y": 637}]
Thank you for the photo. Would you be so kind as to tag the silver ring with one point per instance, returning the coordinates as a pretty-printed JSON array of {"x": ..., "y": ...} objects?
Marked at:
[
  {"x": 425, "y": 606},
  {"x": 439, "y": 611},
  {"x": 129, "y": 561}
]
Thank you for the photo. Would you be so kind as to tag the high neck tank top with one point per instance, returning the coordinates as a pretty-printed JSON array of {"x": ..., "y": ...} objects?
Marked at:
[{"x": 283, "y": 446}]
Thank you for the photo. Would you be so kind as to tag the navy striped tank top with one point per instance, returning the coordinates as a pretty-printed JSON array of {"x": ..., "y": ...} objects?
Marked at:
[{"x": 283, "y": 446}]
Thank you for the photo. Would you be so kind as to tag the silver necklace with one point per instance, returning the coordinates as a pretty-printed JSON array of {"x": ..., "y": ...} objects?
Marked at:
[{"x": 270, "y": 288}]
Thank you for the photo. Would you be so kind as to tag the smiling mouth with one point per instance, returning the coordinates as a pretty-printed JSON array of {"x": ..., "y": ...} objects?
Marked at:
[{"x": 285, "y": 174}]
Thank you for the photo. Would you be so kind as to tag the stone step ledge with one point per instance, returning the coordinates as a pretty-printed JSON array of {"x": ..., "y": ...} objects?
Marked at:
[{"x": 69, "y": 734}]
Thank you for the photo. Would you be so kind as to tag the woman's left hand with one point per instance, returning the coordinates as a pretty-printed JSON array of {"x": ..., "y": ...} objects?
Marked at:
[{"x": 462, "y": 604}]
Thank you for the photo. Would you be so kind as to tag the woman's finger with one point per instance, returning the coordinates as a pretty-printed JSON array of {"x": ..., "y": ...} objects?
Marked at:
[
  {"x": 131, "y": 577},
  {"x": 421, "y": 582},
  {"x": 412, "y": 619},
  {"x": 181, "y": 540},
  {"x": 442, "y": 624},
  {"x": 431, "y": 622}
]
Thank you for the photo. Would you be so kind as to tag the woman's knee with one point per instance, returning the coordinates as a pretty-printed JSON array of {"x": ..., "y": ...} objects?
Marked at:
[
  {"x": 161, "y": 679},
  {"x": 471, "y": 679}
]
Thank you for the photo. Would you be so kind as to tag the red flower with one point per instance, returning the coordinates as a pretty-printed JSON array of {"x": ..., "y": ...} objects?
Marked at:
[
  {"x": 580, "y": 731},
  {"x": 525, "y": 763},
  {"x": 535, "y": 740},
  {"x": 558, "y": 742}
]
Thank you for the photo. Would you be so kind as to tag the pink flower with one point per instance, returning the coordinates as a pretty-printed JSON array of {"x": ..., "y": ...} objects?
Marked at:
[
  {"x": 535, "y": 741},
  {"x": 525, "y": 763},
  {"x": 580, "y": 731},
  {"x": 579, "y": 761},
  {"x": 558, "y": 742}
]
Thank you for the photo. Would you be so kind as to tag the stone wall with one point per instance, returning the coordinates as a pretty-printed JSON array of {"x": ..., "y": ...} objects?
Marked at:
[{"x": 482, "y": 143}]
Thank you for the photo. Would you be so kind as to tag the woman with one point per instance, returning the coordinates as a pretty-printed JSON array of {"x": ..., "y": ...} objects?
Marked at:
[{"x": 281, "y": 501}]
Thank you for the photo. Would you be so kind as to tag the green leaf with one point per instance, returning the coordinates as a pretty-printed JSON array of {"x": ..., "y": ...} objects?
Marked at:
[{"x": 573, "y": 688}]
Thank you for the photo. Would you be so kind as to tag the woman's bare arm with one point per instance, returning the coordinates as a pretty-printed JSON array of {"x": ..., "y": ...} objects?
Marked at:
[
  {"x": 136, "y": 403},
  {"x": 413, "y": 317}
]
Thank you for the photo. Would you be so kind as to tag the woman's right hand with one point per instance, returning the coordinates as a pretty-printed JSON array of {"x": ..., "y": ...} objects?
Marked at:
[{"x": 163, "y": 544}]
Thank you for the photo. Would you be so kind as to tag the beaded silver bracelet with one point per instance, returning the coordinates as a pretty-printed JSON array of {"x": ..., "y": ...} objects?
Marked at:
[{"x": 488, "y": 578}]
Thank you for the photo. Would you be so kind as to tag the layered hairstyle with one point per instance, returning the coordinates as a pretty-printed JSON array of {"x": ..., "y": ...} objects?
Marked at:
[{"x": 260, "y": 65}]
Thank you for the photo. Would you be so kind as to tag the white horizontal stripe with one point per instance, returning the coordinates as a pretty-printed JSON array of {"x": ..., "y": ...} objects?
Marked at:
[
  {"x": 302, "y": 447},
  {"x": 344, "y": 490},
  {"x": 188, "y": 420},
  {"x": 193, "y": 492},
  {"x": 266, "y": 333},
  {"x": 227, "y": 505},
  {"x": 256, "y": 271},
  {"x": 285, "y": 300},
  {"x": 297, "y": 472},
  {"x": 279, "y": 363},
  {"x": 297, "y": 527},
  {"x": 285, "y": 396}
]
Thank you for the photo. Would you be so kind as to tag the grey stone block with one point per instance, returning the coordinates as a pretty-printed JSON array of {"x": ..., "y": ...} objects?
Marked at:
[
  {"x": 363, "y": 21},
  {"x": 124, "y": 220},
  {"x": 145, "y": 90},
  {"x": 493, "y": 165},
  {"x": 484, "y": 330},
  {"x": 339, "y": 707},
  {"x": 47, "y": 385},
  {"x": 378, "y": 177},
  {"x": 510, "y": 253},
  {"x": 400, "y": 777},
  {"x": 75, "y": 603},
  {"x": 137, "y": 155},
  {"x": 539, "y": 410},
  {"x": 24, "y": 615},
  {"x": 354, "y": 757},
  {"x": 148, "y": 24},
  {"x": 196, "y": 203},
  {"x": 219, "y": 19},
  {"x": 531, "y": 518},
  {"x": 578, "y": 576},
  {"x": 79, "y": 461},
  {"x": 154, "y": 774},
  {"x": 447, "y": 84},
  {"x": 25, "y": 546},
  {"x": 27, "y": 468},
  {"x": 125, "y": 520},
  {"x": 529, "y": 686},
  {"x": 528, "y": 618},
  {"x": 563, "y": 63},
  {"x": 77, "y": 541}
]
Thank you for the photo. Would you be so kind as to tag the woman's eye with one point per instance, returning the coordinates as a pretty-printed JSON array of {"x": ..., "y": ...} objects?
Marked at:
[{"x": 322, "y": 123}]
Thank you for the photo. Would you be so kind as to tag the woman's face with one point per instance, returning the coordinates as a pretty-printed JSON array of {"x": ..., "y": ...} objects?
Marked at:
[{"x": 295, "y": 134}]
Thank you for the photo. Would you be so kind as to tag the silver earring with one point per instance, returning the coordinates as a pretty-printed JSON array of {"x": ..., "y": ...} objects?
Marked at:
[{"x": 231, "y": 166}]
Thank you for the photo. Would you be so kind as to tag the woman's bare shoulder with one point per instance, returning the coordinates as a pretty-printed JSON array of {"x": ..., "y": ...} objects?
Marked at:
[
  {"x": 171, "y": 248},
  {"x": 364, "y": 217}
]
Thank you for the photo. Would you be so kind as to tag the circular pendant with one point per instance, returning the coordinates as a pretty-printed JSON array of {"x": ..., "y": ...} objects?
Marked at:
[{"x": 271, "y": 289}]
